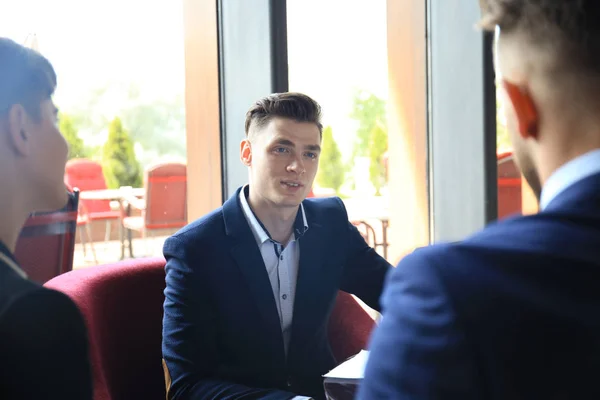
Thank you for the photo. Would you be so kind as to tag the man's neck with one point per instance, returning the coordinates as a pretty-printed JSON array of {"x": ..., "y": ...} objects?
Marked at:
[
  {"x": 10, "y": 228},
  {"x": 278, "y": 221}
]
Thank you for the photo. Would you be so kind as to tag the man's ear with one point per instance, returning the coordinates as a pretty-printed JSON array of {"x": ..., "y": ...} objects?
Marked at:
[
  {"x": 525, "y": 109},
  {"x": 18, "y": 136},
  {"x": 246, "y": 152}
]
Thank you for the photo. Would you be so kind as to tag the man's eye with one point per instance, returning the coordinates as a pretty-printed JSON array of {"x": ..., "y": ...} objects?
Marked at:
[
  {"x": 311, "y": 155},
  {"x": 280, "y": 150}
]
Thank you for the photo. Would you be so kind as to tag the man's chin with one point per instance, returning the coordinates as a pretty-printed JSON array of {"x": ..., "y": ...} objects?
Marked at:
[{"x": 54, "y": 203}]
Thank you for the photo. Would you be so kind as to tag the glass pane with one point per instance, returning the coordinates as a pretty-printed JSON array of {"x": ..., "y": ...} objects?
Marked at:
[
  {"x": 120, "y": 68},
  {"x": 343, "y": 66}
]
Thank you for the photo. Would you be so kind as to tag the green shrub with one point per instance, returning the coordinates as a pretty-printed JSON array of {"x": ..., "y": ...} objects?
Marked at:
[
  {"x": 121, "y": 168},
  {"x": 378, "y": 145},
  {"x": 368, "y": 110},
  {"x": 76, "y": 147},
  {"x": 331, "y": 168}
]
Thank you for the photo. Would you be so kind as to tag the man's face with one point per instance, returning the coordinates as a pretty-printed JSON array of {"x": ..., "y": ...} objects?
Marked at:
[
  {"x": 509, "y": 67},
  {"x": 282, "y": 157},
  {"x": 45, "y": 162}
]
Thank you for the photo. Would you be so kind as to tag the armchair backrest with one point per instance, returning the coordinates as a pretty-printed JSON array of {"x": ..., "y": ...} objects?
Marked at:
[
  {"x": 166, "y": 196},
  {"x": 122, "y": 304},
  {"x": 46, "y": 244},
  {"x": 85, "y": 175}
]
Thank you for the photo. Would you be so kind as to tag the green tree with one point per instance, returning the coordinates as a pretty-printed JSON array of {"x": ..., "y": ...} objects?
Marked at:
[
  {"x": 76, "y": 147},
  {"x": 368, "y": 110},
  {"x": 156, "y": 125},
  {"x": 331, "y": 168},
  {"x": 121, "y": 168},
  {"x": 378, "y": 145}
]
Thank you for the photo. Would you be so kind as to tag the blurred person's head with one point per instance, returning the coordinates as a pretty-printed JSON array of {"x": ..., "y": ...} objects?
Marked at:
[
  {"x": 282, "y": 147},
  {"x": 547, "y": 58},
  {"x": 33, "y": 152}
]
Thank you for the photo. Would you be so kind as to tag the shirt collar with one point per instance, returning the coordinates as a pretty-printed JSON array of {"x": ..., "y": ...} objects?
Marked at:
[
  {"x": 7, "y": 257},
  {"x": 569, "y": 174},
  {"x": 258, "y": 229}
]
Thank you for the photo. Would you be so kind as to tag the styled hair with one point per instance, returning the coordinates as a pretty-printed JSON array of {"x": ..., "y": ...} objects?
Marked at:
[
  {"x": 26, "y": 78},
  {"x": 295, "y": 106},
  {"x": 569, "y": 29}
]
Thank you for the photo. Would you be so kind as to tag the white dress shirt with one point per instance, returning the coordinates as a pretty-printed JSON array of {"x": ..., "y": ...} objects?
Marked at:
[
  {"x": 569, "y": 174},
  {"x": 281, "y": 262}
]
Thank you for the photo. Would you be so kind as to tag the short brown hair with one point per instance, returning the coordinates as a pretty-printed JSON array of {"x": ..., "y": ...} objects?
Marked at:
[
  {"x": 26, "y": 78},
  {"x": 296, "y": 106},
  {"x": 569, "y": 28}
]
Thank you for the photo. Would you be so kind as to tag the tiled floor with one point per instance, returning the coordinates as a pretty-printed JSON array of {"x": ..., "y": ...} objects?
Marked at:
[
  {"x": 367, "y": 208},
  {"x": 109, "y": 252}
]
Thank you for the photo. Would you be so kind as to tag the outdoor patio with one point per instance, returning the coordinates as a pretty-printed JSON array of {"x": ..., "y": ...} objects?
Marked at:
[{"x": 109, "y": 252}]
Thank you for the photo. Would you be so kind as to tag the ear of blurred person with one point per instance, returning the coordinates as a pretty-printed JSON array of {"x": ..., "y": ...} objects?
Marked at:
[
  {"x": 43, "y": 338},
  {"x": 511, "y": 311}
]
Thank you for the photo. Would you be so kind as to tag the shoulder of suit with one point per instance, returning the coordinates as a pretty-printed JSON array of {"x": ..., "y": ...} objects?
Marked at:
[
  {"x": 15, "y": 291},
  {"x": 324, "y": 206},
  {"x": 500, "y": 237},
  {"x": 12, "y": 285},
  {"x": 205, "y": 226}
]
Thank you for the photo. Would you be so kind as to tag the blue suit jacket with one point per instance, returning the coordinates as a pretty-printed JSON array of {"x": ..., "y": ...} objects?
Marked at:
[
  {"x": 221, "y": 332},
  {"x": 511, "y": 313},
  {"x": 43, "y": 341}
]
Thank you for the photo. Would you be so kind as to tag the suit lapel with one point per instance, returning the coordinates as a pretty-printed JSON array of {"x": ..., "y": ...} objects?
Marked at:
[
  {"x": 249, "y": 260},
  {"x": 310, "y": 287},
  {"x": 247, "y": 256}
]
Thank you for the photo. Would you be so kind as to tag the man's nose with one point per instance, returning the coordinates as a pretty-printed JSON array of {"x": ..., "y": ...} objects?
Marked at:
[{"x": 296, "y": 165}]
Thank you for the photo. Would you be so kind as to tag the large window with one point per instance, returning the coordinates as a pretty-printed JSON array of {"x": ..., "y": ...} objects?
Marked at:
[
  {"x": 120, "y": 67},
  {"x": 338, "y": 56}
]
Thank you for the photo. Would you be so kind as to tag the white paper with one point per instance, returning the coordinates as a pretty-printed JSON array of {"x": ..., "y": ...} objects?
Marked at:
[{"x": 354, "y": 368}]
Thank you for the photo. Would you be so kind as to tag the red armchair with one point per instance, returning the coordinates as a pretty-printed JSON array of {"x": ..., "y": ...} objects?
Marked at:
[
  {"x": 122, "y": 305},
  {"x": 46, "y": 243}
]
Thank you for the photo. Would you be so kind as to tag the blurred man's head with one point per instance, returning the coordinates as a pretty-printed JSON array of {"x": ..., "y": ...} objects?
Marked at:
[
  {"x": 33, "y": 152},
  {"x": 547, "y": 56},
  {"x": 282, "y": 147}
]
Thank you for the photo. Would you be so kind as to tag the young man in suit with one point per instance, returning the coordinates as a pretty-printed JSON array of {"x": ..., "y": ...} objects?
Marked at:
[
  {"x": 43, "y": 340},
  {"x": 250, "y": 286},
  {"x": 512, "y": 312}
]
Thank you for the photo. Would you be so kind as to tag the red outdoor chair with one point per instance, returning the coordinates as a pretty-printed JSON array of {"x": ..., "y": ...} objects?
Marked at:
[
  {"x": 165, "y": 203},
  {"x": 88, "y": 175},
  {"x": 46, "y": 243},
  {"x": 122, "y": 305}
]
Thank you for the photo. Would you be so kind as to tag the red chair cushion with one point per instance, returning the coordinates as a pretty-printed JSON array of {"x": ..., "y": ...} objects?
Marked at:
[
  {"x": 350, "y": 327},
  {"x": 88, "y": 175},
  {"x": 122, "y": 305}
]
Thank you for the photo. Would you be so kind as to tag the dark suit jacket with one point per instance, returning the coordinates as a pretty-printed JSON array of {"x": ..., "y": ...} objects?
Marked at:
[
  {"x": 221, "y": 332},
  {"x": 511, "y": 313},
  {"x": 43, "y": 342}
]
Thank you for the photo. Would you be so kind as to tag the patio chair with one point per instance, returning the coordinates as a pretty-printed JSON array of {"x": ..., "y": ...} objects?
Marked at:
[
  {"x": 367, "y": 231},
  {"x": 46, "y": 243},
  {"x": 85, "y": 175},
  {"x": 165, "y": 204}
]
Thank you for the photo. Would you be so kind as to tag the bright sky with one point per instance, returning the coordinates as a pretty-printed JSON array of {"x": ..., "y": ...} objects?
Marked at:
[
  {"x": 333, "y": 46},
  {"x": 94, "y": 42}
]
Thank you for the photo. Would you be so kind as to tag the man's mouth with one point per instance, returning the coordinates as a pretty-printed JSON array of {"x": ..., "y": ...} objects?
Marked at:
[{"x": 292, "y": 184}]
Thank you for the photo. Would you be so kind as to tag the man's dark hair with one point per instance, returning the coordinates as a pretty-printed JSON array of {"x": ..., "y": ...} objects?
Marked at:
[
  {"x": 295, "y": 106},
  {"x": 26, "y": 78},
  {"x": 569, "y": 28}
]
